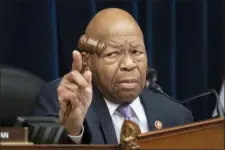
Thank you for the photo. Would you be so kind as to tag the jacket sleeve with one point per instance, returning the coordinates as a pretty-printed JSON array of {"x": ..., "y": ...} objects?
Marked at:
[{"x": 47, "y": 105}]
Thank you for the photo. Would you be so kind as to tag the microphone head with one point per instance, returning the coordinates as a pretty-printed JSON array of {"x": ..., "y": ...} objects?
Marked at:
[
  {"x": 155, "y": 88},
  {"x": 152, "y": 75}
]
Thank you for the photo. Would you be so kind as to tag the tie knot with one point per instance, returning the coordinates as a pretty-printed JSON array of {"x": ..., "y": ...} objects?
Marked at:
[{"x": 125, "y": 110}]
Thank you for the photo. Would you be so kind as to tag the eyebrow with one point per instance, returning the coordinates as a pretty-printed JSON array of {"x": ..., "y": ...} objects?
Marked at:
[{"x": 134, "y": 44}]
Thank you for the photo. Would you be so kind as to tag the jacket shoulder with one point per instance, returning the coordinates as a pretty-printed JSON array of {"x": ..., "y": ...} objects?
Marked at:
[
  {"x": 166, "y": 108},
  {"x": 47, "y": 100}
]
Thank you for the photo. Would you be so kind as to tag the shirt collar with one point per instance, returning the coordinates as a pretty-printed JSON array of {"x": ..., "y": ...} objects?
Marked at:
[{"x": 112, "y": 106}]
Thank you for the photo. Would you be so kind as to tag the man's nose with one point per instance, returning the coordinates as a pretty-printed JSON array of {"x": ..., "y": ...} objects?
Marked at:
[{"x": 127, "y": 63}]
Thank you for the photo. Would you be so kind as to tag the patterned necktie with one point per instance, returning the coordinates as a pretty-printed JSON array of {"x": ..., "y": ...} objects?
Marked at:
[{"x": 126, "y": 111}]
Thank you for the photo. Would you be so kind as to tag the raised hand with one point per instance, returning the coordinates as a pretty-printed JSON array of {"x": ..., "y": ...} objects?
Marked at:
[{"x": 75, "y": 95}]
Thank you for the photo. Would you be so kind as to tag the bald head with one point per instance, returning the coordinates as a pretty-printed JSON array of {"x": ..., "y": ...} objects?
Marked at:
[
  {"x": 112, "y": 23},
  {"x": 119, "y": 61}
]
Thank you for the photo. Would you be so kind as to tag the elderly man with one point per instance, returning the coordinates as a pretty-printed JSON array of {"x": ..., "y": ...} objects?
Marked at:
[{"x": 112, "y": 90}]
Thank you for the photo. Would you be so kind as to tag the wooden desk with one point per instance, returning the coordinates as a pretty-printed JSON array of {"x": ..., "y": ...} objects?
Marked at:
[
  {"x": 208, "y": 134},
  {"x": 61, "y": 147}
]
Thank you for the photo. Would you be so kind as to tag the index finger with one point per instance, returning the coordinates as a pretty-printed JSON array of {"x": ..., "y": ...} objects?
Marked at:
[{"x": 77, "y": 61}]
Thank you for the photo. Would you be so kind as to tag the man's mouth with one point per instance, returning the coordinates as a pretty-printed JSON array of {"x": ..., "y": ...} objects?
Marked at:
[{"x": 128, "y": 83}]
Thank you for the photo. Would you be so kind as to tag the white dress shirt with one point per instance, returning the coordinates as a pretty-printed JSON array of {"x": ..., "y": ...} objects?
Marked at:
[{"x": 117, "y": 119}]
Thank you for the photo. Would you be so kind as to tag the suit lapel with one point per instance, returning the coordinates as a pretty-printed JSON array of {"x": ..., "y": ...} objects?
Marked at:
[
  {"x": 104, "y": 117},
  {"x": 147, "y": 99}
]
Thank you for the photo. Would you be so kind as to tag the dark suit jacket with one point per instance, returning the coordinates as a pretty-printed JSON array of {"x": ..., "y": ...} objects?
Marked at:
[{"x": 98, "y": 124}]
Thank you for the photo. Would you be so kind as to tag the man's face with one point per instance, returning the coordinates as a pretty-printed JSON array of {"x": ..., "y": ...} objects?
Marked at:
[{"x": 120, "y": 70}]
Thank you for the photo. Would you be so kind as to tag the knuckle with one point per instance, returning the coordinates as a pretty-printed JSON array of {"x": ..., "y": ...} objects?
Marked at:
[
  {"x": 73, "y": 73},
  {"x": 89, "y": 90},
  {"x": 71, "y": 76},
  {"x": 65, "y": 78},
  {"x": 60, "y": 89}
]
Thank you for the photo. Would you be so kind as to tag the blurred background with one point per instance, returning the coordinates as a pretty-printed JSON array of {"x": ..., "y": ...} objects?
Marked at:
[{"x": 185, "y": 40}]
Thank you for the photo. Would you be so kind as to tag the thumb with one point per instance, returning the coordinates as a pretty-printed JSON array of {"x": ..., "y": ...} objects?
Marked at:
[{"x": 88, "y": 77}]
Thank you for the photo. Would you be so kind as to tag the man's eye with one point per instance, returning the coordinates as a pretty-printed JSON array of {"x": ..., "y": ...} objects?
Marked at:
[
  {"x": 136, "y": 52},
  {"x": 113, "y": 54}
]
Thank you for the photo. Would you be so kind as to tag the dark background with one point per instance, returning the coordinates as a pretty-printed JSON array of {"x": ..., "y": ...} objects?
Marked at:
[{"x": 184, "y": 40}]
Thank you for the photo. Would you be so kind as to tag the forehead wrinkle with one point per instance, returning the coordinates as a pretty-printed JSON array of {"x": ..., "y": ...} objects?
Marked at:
[
  {"x": 116, "y": 44},
  {"x": 120, "y": 44}
]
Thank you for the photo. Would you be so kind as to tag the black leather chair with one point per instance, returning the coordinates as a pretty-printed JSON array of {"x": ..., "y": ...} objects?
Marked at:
[{"x": 18, "y": 91}]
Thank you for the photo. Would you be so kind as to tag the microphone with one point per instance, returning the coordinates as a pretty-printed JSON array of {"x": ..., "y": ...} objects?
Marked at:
[
  {"x": 157, "y": 89},
  {"x": 152, "y": 74},
  {"x": 219, "y": 107}
]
